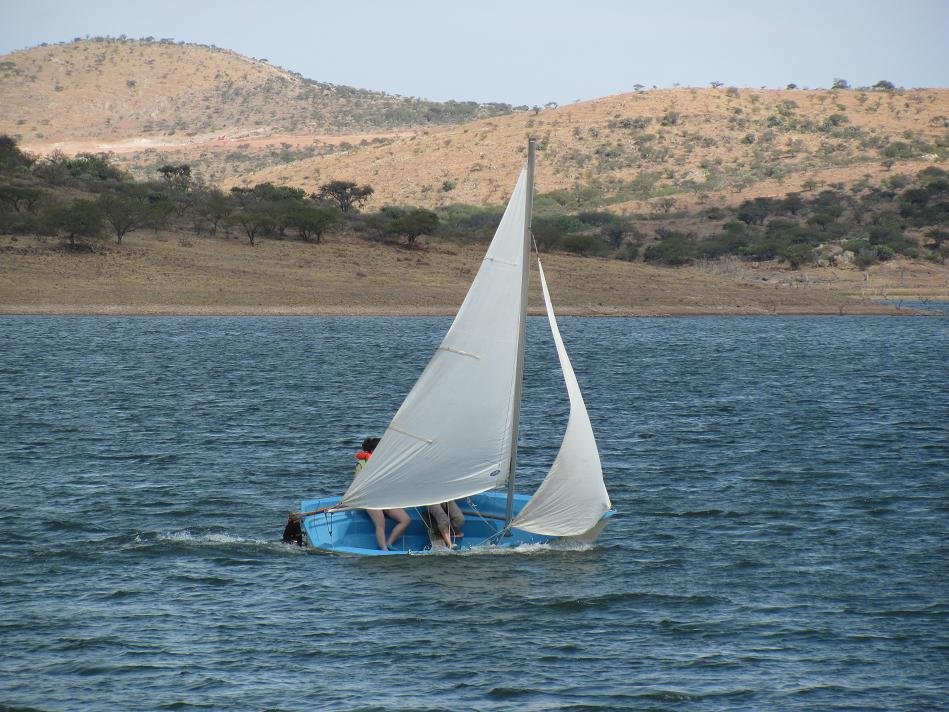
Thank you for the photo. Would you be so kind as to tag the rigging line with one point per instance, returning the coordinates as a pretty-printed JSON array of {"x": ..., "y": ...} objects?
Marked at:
[
  {"x": 429, "y": 532},
  {"x": 497, "y": 535},
  {"x": 475, "y": 509}
]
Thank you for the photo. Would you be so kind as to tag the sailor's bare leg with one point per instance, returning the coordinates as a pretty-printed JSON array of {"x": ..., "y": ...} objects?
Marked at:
[
  {"x": 379, "y": 521},
  {"x": 402, "y": 520}
]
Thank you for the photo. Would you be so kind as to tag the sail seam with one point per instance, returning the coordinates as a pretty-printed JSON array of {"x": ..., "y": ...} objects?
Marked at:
[
  {"x": 411, "y": 435},
  {"x": 503, "y": 262},
  {"x": 459, "y": 352}
]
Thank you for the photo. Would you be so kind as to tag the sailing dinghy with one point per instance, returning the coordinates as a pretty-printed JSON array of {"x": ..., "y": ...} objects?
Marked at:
[{"x": 455, "y": 435}]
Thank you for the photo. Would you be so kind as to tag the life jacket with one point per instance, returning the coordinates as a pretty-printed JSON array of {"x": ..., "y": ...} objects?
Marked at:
[{"x": 362, "y": 457}]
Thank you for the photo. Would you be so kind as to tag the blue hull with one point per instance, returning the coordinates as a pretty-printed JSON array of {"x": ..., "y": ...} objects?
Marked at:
[{"x": 351, "y": 531}]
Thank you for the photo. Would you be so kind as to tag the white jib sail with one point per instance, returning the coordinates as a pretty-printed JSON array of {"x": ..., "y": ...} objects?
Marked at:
[
  {"x": 572, "y": 498},
  {"x": 451, "y": 436}
]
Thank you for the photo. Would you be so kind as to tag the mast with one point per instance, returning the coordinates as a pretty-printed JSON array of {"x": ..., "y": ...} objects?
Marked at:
[{"x": 519, "y": 374}]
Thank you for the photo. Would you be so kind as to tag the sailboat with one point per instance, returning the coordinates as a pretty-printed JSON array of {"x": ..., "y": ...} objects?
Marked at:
[{"x": 455, "y": 435}]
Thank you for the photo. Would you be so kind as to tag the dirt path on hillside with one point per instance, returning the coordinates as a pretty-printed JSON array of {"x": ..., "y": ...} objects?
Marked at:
[{"x": 249, "y": 139}]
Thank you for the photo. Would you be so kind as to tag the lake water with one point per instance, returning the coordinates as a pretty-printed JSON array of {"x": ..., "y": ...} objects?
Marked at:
[{"x": 781, "y": 543}]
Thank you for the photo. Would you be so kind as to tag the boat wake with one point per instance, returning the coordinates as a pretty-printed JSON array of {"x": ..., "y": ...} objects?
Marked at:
[
  {"x": 521, "y": 550},
  {"x": 196, "y": 538}
]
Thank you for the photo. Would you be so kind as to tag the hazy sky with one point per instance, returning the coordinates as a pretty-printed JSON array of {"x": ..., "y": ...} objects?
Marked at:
[{"x": 531, "y": 52}]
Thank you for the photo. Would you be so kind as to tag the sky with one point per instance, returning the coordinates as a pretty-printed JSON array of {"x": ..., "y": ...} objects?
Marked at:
[{"x": 532, "y": 51}]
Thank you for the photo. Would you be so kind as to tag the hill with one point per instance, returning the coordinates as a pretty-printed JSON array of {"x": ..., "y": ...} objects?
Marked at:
[
  {"x": 241, "y": 121},
  {"x": 115, "y": 89},
  {"x": 628, "y": 152}
]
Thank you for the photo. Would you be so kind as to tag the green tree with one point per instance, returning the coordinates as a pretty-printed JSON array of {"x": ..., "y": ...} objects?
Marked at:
[
  {"x": 311, "y": 221},
  {"x": 95, "y": 167},
  {"x": 251, "y": 221},
  {"x": 76, "y": 220},
  {"x": 176, "y": 176},
  {"x": 414, "y": 224},
  {"x": 346, "y": 195},
  {"x": 550, "y": 230},
  {"x": 124, "y": 213},
  {"x": 617, "y": 231},
  {"x": 277, "y": 193},
  {"x": 755, "y": 212},
  {"x": 675, "y": 248},
  {"x": 211, "y": 207},
  {"x": 11, "y": 157},
  {"x": 20, "y": 198}
]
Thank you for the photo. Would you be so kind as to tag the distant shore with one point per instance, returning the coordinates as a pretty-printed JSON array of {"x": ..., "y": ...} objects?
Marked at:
[
  {"x": 175, "y": 274},
  {"x": 278, "y": 311}
]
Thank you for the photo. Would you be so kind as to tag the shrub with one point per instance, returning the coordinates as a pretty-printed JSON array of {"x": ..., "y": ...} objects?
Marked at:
[
  {"x": 898, "y": 149},
  {"x": 468, "y": 221},
  {"x": 629, "y": 252},
  {"x": 675, "y": 248},
  {"x": 595, "y": 218},
  {"x": 583, "y": 245},
  {"x": 730, "y": 241},
  {"x": 94, "y": 166},
  {"x": 550, "y": 230}
]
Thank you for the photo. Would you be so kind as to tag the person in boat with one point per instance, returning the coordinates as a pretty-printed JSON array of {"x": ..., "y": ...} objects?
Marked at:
[
  {"x": 378, "y": 516},
  {"x": 444, "y": 521}
]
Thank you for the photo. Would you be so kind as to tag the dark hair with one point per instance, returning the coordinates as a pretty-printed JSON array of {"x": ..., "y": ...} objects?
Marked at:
[{"x": 369, "y": 444}]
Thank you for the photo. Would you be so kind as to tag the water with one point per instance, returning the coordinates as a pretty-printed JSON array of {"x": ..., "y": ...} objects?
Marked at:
[{"x": 782, "y": 539}]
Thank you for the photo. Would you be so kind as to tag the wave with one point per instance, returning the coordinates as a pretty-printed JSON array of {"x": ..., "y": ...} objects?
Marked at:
[
  {"x": 700, "y": 513},
  {"x": 608, "y": 600}
]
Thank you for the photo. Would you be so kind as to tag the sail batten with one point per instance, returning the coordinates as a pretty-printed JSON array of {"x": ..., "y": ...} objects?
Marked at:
[{"x": 464, "y": 400}]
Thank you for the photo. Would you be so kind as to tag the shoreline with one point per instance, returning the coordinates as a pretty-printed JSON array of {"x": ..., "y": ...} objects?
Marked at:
[
  {"x": 171, "y": 274},
  {"x": 858, "y": 309}
]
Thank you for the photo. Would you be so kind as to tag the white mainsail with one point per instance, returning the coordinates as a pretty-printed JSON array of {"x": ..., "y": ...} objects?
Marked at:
[
  {"x": 451, "y": 437},
  {"x": 572, "y": 498}
]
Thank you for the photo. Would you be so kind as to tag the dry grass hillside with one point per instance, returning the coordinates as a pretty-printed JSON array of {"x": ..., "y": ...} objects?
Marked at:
[
  {"x": 633, "y": 151},
  {"x": 240, "y": 121},
  {"x": 109, "y": 90}
]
